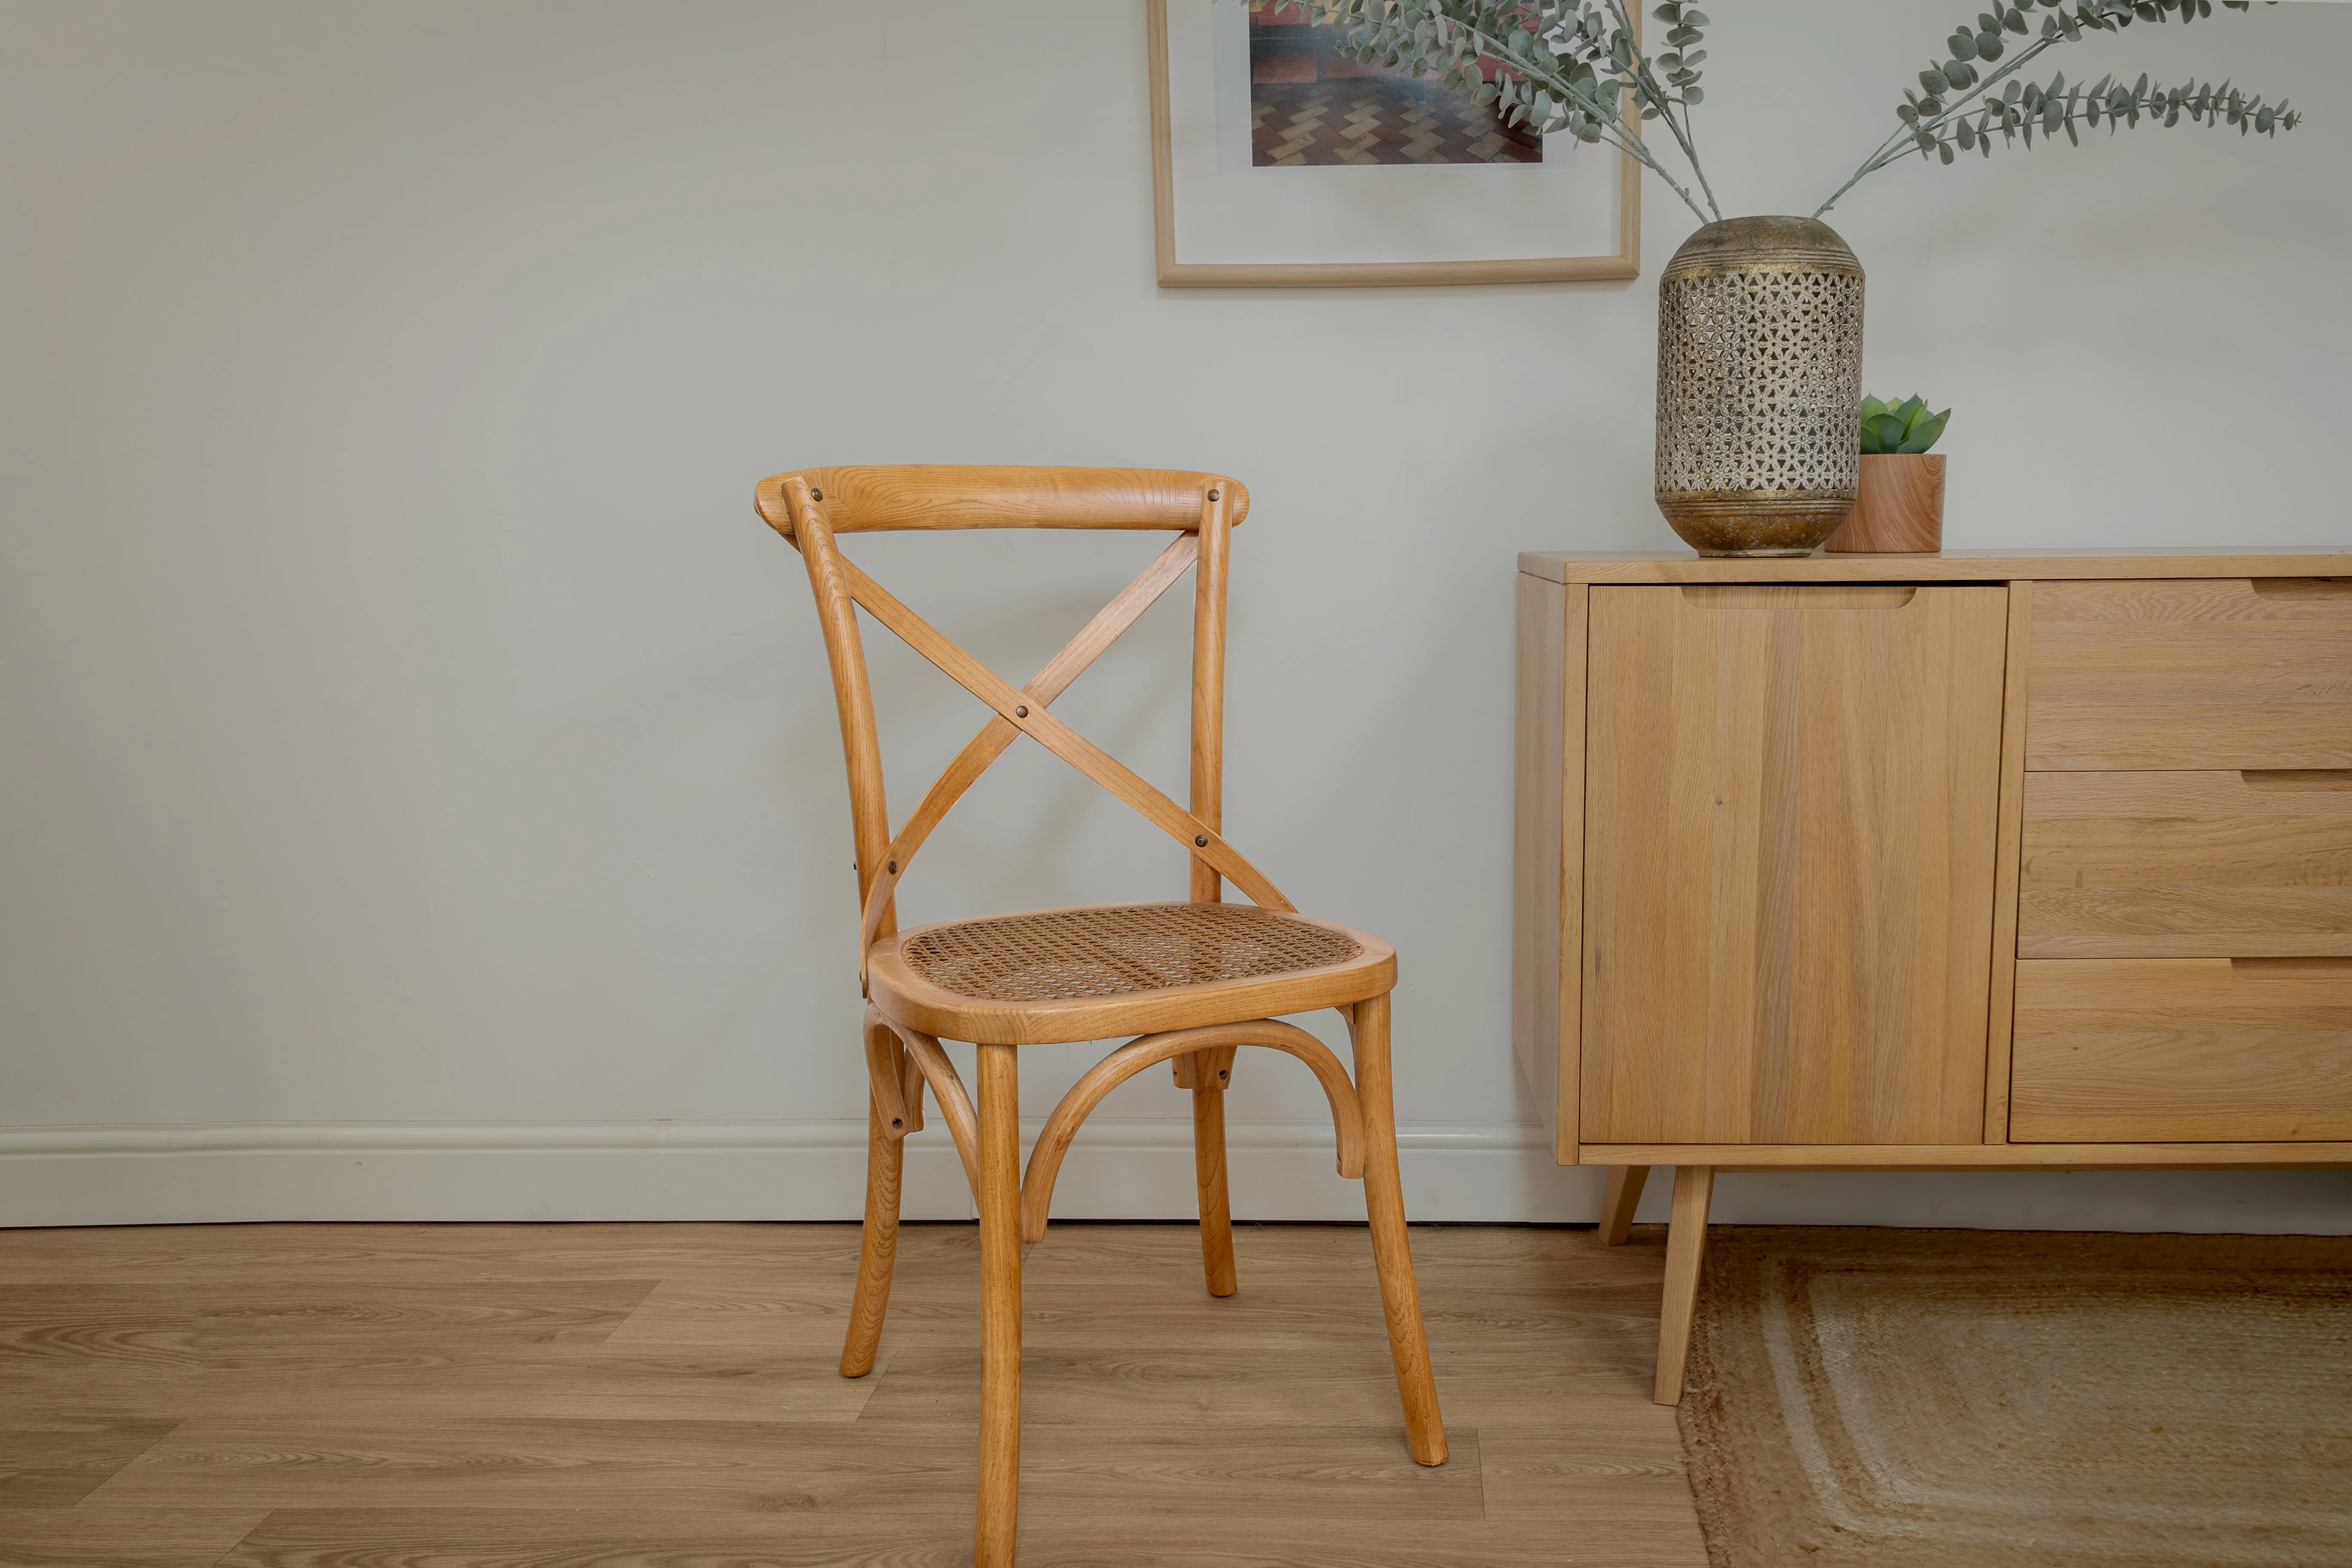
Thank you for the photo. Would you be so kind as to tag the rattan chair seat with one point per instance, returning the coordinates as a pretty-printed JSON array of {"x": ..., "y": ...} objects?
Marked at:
[{"x": 1071, "y": 964}]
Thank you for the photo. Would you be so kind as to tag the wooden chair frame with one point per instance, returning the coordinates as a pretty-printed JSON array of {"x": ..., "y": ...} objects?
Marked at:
[{"x": 1192, "y": 1026}]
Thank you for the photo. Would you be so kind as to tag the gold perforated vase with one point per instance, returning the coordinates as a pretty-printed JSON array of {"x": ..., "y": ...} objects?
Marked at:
[{"x": 1759, "y": 386}]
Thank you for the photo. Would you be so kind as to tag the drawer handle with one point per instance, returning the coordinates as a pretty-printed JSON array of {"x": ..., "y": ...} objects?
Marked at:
[
  {"x": 2303, "y": 587},
  {"x": 1798, "y": 595},
  {"x": 2284, "y": 779}
]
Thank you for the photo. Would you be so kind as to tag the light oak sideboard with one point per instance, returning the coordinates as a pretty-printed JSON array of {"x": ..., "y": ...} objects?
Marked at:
[{"x": 1982, "y": 860}]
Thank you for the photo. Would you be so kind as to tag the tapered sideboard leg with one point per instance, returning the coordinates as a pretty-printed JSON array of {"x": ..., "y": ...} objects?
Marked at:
[
  {"x": 1686, "y": 1244},
  {"x": 1617, "y": 1204}
]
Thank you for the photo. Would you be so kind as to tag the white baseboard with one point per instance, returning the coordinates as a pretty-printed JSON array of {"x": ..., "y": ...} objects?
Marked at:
[{"x": 1139, "y": 1169}]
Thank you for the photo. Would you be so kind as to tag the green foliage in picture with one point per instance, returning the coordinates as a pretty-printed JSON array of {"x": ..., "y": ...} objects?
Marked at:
[
  {"x": 1904, "y": 426},
  {"x": 1577, "y": 68}
]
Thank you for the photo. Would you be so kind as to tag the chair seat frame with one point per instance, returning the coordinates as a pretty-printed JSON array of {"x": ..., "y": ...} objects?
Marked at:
[{"x": 1198, "y": 1027}]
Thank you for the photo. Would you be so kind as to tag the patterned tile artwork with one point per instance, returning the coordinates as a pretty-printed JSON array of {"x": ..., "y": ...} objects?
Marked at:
[
  {"x": 1310, "y": 105},
  {"x": 1379, "y": 122}
]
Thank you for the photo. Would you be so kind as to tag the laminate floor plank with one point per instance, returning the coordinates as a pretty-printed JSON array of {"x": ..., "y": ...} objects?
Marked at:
[
  {"x": 1606, "y": 1481},
  {"x": 1120, "y": 1386},
  {"x": 494, "y": 1462},
  {"x": 931, "y": 1301},
  {"x": 488, "y": 1538},
  {"x": 122, "y": 1538},
  {"x": 58, "y": 1461},
  {"x": 655, "y": 1382},
  {"x": 205, "y": 1324},
  {"x": 391, "y": 1253},
  {"x": 668, "y": 1396},
  {"x": 1257, "y": 1471}
]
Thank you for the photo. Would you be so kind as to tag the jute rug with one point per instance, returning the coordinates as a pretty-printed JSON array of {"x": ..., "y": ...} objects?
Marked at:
[{"x": 1919, "y": 1399}]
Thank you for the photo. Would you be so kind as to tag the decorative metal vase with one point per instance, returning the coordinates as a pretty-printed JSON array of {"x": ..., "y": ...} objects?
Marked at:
[{"x": 1759, "y": 386}]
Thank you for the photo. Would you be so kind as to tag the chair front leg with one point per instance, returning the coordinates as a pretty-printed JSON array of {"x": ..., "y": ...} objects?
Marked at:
[
  {"x": 1000, "y": 1308},
  {"x": 886, "y": 1129},
  {"x": 1211, "y": 1070},
  {"x": 1392, "y": 1251}
]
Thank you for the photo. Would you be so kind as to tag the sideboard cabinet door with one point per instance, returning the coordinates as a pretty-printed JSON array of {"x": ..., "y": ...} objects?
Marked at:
[{"x": 1790, "y": 810}]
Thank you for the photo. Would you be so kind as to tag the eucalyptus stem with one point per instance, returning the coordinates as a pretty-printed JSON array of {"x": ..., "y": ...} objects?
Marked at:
[
  {"x": 1957, "y": 93},
  {"x": 1610, "y": 121},
  {"x": 1574, "y": 67},
  {"x": 1905, "y": 141},
  {"x": 1666, "y": 103}
]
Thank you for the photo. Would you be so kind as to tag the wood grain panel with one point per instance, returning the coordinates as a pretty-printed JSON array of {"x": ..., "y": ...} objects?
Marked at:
[
  {"x": 1539, "y": 768},
  {"x": 2184, "y": 1050},
  {"x": 797, "y": 1265},
  {"x": 56, "y": 1461},
  {"x": 1547, "y": 850},
  {"x": 664, "y": 1385},
  {"x": 91, "y": 1537},
  {"x": 1789, "y": 862},
  {"x": 2002, "y": 1014},
  {"x": 1206, "y": 1538},
  {"x": 2188, "y": 865},
  {"x": 2198, "y": 673}
]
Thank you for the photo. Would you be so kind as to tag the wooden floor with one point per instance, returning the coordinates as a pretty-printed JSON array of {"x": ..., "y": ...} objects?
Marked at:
[{"x": 563, "y": 1396}]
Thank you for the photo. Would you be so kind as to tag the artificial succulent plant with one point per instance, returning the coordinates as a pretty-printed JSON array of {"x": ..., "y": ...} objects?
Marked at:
[{"x": 1904, "y": 426}]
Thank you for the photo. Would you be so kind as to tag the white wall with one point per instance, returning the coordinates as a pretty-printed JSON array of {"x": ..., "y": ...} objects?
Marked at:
[{"x": 419, "y": 789}]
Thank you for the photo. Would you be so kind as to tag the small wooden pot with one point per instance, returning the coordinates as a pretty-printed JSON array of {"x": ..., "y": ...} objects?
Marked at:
[{"x": 1899, "y": 510}]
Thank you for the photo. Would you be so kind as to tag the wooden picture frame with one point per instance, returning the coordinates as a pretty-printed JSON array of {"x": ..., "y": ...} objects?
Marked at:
[{"x": 1624, "y": 262}]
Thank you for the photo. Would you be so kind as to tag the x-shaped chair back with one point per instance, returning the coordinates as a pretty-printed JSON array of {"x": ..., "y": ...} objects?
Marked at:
[{"x": 812, "y": 506}]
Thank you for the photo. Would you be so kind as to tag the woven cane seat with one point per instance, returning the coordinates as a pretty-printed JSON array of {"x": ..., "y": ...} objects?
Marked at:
[{"x": 1068, "y": 964}]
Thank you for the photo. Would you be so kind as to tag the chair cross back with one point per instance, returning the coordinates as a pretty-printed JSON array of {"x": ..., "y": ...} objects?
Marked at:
[{"x": 809, "y": 508}]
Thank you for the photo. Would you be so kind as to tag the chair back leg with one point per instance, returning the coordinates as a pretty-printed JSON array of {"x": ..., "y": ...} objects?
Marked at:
[
  {"x": 1000, "y": 1308},
  {"x": 1211, "y": 1072},
  {"x": 1391, "y": 1252}
]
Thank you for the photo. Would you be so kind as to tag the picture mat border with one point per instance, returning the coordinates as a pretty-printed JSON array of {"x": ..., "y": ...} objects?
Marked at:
[{"x": 1174, "y": 274}]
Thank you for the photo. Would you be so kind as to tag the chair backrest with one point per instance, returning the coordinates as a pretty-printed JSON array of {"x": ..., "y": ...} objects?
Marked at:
[{"x": 809, "y": 507}]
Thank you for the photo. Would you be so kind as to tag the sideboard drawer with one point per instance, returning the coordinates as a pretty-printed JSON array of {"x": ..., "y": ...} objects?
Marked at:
[
  {"x": 2187, "y": 864},
  {"x": 2182, "y": 1050},
  {"x": 2191, "y": 673}
]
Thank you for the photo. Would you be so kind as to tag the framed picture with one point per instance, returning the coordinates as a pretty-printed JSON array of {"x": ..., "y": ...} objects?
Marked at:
[{"x": 1278, "y": 161}]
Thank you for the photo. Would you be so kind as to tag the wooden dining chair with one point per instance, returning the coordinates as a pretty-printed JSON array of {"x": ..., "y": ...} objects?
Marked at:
[{"x": 1193, "y": 981}]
